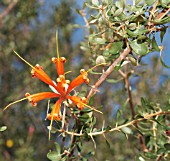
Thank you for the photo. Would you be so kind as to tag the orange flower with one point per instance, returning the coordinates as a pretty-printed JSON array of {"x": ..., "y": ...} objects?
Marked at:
[{"x": 61, "y": 88}]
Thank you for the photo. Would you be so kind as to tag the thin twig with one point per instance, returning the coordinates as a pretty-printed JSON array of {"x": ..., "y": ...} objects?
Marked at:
[
  {"x": 108, "y": 72},
  {"x": 146, "y": 117},
  {"x": 152, "y": 11},
  {"x": 126, "y": 78},
  {"x": 85, "y": 19},
  {"x": 8, "y": 9}
]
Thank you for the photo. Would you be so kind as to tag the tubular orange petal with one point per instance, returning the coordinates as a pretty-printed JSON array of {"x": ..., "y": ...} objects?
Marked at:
[
  {"x": 79, "y": 102},
  {"x": 55, "y": 113},
  {"x": 59, "y": 62},
  {"x": 38, "y": 72},
  {"x": 82, "y": 78},
  {"x": 34, "y": 98}
]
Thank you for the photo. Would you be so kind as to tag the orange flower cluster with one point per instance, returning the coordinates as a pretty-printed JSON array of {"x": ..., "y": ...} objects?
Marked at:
[{"x": 61, "y": 87}]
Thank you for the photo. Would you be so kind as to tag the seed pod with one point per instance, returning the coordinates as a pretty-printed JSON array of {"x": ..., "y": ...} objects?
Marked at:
[{"x": 100, "y": 59}]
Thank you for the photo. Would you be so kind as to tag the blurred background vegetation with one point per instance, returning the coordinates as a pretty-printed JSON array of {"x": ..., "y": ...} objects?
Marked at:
[{"x": 28, "y": 27}]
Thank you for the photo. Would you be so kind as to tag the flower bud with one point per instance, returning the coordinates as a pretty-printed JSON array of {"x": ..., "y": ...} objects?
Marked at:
[{"x": 100, "y": 59}]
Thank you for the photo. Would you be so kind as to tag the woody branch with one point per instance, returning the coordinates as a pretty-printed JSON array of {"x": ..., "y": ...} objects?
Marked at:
[{"x": 108, "y": 71}]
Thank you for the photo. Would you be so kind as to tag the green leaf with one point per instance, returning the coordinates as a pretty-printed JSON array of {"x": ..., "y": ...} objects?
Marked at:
[
  {"x": 113, "y": 80},
  {"x": 99, "y": 40},
  {"x": 118, "y": 12},
  {"x": 95, "y": 2},
  {"x": 78, "y": 11},
  {"x": 127, "y": 130},
  {"x": 91, "y": 100},
  {"x": 162, "y": 21},
  {"x": 106, "y": 53},
  {"x": 141, "y": 159},
  {"x": 161, "y": 151},
  {"x": 118, "y": 66},
  {"x": 136, "y": 33},
  {"x": 107, "y": 143},
  {"x": 57, "y": 147},
  {"x": 78, "y": 145},
  {"x": 154, "y": 44},
  {"x": 137, "y": 2},
  {"x": 53, "y": 156},
  {"x": 163, "y": 64},
  {"x": 139, "y": 131},
  {"x": 164, "y": 2},
  {"x": 120, "y": 4},
  {"x": 147, "y": 139},
  {"x": 116, "y": 47},
  {"x": 150, "y": 2},
  {"x": 140, "y": 49},
  {"x": 133, "y": 60},
  {"x": 96, "y": 73},
  {"x": 143, "y": 102},
  {"x": 3, "y": 128},
  {"x": 108, "y": 128},
  {"x": 52, "y": 129},
  {"x": 93, "y": 21},
  {"x": 93, "y": 7},
  {"x": 93, "y": 121},
  {"x": 84, "y": 117},
  {"x": 138, "y": 116},
  {"x": 167, "y": 146},
  {"x": 149, "y": 107},
  {"x": 123, "y": 16},
  {"x": 151, "y": 155},
  {"x": 162, "y": 33},
  {"x": 118, "y": 115},
  {"x": 108, "y": 2},
  {"x": 131, "y": 26},
  {"x": 90, "y": 154}
]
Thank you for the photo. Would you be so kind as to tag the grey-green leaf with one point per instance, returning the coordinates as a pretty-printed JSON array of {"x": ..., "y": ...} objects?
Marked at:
[
  {"x": 95, "y": 2},
  {"x": 3, "y": 128},
  {"x": 163, "y": 64},
  {"x": 140, "y": 49},
  {"x": 132, "y": 26},
  {"x": 137, "y": 2},
  {"x": 53, "y": 156},
  {"x": 155, "y": 45},
  {"x": 136, "y": 32},
  {"x": 113, "y": 80},
  {"x": 57, "y": 147},
  {"x": 164, "y": 2},
  {"x": 162, "y": 33},
  {"x": 127, "y": 130},
  {"x": 116, "y": 47},
  {"x": 99, "y": 40},
  {"x": 150, "y": 2},
  {"x": 167, "y": 146}
]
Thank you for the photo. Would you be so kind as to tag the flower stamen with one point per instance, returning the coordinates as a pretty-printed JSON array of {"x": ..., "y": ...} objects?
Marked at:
[{"x": 20, "y": 100}]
